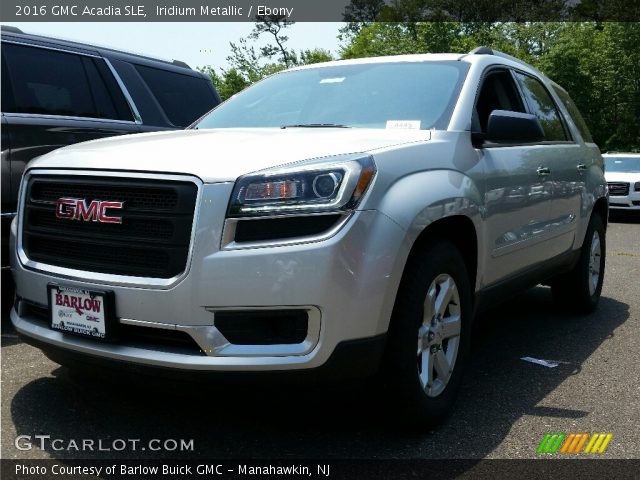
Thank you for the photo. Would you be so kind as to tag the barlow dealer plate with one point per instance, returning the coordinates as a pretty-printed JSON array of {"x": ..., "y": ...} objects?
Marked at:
[{"x": 80, "y": 311}]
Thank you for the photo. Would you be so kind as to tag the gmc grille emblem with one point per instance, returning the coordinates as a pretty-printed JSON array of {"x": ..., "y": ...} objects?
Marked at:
[{"x": 78, "y": 209}]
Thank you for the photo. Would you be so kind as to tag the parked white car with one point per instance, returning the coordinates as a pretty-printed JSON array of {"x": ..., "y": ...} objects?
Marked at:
[{"x": 622, "y": 172}]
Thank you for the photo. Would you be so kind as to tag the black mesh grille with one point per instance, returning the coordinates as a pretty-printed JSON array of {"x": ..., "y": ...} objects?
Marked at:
[
  {"x": 152, "y": 240},
  {"x": 266, "y": 327},
  {"x": 154, "y": 199},
  {"x": 618, "y": 189},
  {"x": 141, "y": 228},
  {"x": 283, "y": 228}
]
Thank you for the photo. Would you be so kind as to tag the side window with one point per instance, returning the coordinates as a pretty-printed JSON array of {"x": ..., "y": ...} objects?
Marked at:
[
  {"x": 575, "y": 114},
  {"x": 57, "y": 83},
  {"x": 542, "y": 106},
  {"x": 498, "y": 92},
  {"x": 7, "y": 94},
  {"x": 108, "y": 97},
  {"x": 183, "y": 98}
]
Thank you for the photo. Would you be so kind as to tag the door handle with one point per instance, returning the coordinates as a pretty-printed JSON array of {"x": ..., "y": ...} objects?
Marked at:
[
  {"x": 543, "y": 171},
  {"x": 581, "y": 167}
]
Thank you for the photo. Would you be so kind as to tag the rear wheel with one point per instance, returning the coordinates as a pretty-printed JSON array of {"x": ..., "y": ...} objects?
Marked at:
[
  {"x": 580, "y": 289},
  {"x": 428, "y": 338}
]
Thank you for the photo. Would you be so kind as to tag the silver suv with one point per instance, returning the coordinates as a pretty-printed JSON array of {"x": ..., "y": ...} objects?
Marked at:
[{"x": 342, "y": 219}]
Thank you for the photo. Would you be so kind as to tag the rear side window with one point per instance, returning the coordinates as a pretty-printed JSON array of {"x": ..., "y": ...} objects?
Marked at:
[
  {"x": 183, "y": 98},
  {"x": 575, "y": 114},
  {"x": 51, "y": 82},
  {"x": 542, "y": 106}
]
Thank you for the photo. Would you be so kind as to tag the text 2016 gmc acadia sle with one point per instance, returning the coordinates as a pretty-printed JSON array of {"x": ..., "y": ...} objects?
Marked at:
[{"x": 346, "y": 218}]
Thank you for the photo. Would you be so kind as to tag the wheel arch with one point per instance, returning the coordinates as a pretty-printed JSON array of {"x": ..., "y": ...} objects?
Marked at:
[
  {"x": 457, "y": 229},
  {"x": 601, "y": 207},
  {"x": 440, "y": 203}
]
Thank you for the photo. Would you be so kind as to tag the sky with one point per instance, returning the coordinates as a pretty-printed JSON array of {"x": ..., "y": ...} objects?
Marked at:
[{"x": 195, "y": 43}]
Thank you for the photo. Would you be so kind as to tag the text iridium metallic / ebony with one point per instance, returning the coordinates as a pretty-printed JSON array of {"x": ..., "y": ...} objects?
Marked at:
[{"x": 332, "y": 219}]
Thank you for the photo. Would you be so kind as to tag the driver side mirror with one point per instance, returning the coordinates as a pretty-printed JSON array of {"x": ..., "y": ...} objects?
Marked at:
[{"x": 510, "y": 127}]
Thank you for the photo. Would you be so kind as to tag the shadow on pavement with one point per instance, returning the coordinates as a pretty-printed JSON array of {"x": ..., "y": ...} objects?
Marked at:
[
  {"x": 328, "y": 422},
  {"x": 624, "y": 217}
]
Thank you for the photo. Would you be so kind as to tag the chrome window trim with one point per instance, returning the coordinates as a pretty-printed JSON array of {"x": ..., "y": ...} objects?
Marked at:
[
  {"x": 67, "y": 117},
  {"x": 106, "y": 278},
  {"x": 132, "y": 106},
  {"x": 137, "y": 119},
  {"x": 48, "y": 47},
  {"x": 230, "y": 225}
]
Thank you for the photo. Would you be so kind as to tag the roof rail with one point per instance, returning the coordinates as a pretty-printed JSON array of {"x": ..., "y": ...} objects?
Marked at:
[
  {"x": 177, "y": 63},
  {"x": 180, "y": 63},
  {"x": 9, "y": 28},
  {"x": 481, "y": 51},
  {"x": 498, "y": 53}
]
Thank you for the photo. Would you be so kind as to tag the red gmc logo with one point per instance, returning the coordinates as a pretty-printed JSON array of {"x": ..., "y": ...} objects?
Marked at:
[{"x": 95, "y": 211}]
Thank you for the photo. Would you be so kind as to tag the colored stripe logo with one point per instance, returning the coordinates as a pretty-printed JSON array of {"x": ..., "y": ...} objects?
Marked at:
[{"x": 574, "y": 443}]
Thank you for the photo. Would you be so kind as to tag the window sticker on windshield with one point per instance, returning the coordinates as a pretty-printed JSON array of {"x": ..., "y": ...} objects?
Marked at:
[
  {"x": 403, "y": 124},
  {"x": 332, "y": 80}
]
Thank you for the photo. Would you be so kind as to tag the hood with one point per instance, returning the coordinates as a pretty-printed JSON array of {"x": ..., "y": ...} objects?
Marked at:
[
  {"x": 220, "y": 155},
  {"x": 628, "y": 177}
]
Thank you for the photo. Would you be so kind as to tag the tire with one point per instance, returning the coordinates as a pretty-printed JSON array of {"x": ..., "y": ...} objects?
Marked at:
[
  {"x": 579, "y": 290},
  {"x": 420, "y": 394}
]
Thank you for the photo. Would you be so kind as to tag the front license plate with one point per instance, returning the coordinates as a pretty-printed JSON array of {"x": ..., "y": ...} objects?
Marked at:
[{"x": 79, "y": 311}]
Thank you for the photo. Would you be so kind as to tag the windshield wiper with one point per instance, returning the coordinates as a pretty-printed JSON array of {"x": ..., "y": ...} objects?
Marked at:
[{"x": 315, "y": 125}]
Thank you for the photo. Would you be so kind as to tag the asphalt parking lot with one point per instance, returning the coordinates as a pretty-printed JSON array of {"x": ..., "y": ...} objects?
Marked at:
[{"x": 505, "y": 405}]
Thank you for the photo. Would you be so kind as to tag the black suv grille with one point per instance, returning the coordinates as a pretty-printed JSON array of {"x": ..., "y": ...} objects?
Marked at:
[
  {"x": 618, "y": 189},
  {"x": 152, "y": 240}
]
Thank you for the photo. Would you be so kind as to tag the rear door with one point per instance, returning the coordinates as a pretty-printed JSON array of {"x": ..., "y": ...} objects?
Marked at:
[{"x": 563, "y": 156}]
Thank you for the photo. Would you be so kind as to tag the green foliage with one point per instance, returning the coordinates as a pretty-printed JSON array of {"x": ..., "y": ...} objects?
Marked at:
[
  {"x": 597, "y": 63},
  {"x": 228, "y": 83},
  {"x": 273, "y": 25},
  {"x": 317, "y": 55},
  {"x": 247, "y": 65}
]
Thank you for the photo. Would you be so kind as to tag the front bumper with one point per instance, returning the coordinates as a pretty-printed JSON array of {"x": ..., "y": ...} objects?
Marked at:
[
  {"x": 626, "y": 202},
  {"x": 347, "y": 283},
  {"x": 351, "y": 359}
]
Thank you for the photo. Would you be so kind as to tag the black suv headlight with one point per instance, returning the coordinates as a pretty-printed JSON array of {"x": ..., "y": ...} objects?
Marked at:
[{"x": 315, "y": 187}]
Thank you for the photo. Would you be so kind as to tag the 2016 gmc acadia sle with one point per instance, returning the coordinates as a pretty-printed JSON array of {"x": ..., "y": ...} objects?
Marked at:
[{"x": 345, "y": 218}]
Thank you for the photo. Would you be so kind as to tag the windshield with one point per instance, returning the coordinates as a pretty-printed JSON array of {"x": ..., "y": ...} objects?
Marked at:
[
  {"x": 383, "y": 95},
  {"x": 622, "y": 164}
]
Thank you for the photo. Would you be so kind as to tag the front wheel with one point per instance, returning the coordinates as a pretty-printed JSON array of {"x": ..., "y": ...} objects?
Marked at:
[
  {"x": 580, "y": 289},
  {"x": 428, "y": 338}
]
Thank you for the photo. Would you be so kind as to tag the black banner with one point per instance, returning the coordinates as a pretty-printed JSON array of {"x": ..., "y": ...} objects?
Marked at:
[
  {"x": 318, "y": 11},
  {"x": 318, "y": 469}
]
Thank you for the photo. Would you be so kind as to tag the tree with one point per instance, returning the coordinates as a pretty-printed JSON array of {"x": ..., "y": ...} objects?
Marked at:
[
  {"x": 228, "y": 83},
  {"x": 273, "y": 25},
  {"x": 317, "y": 55},
  {"x": 597, "y": 63},
  {"x": 248, "y": 65}
]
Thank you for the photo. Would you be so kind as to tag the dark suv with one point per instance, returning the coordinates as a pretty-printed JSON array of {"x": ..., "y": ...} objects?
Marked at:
[{"x": 56, "y": 93}]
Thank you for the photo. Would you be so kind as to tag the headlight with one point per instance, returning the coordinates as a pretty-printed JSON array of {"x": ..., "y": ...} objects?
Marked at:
[
  {"x": 312, "y": 187},
  {"x": 636, "y": 186}
]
